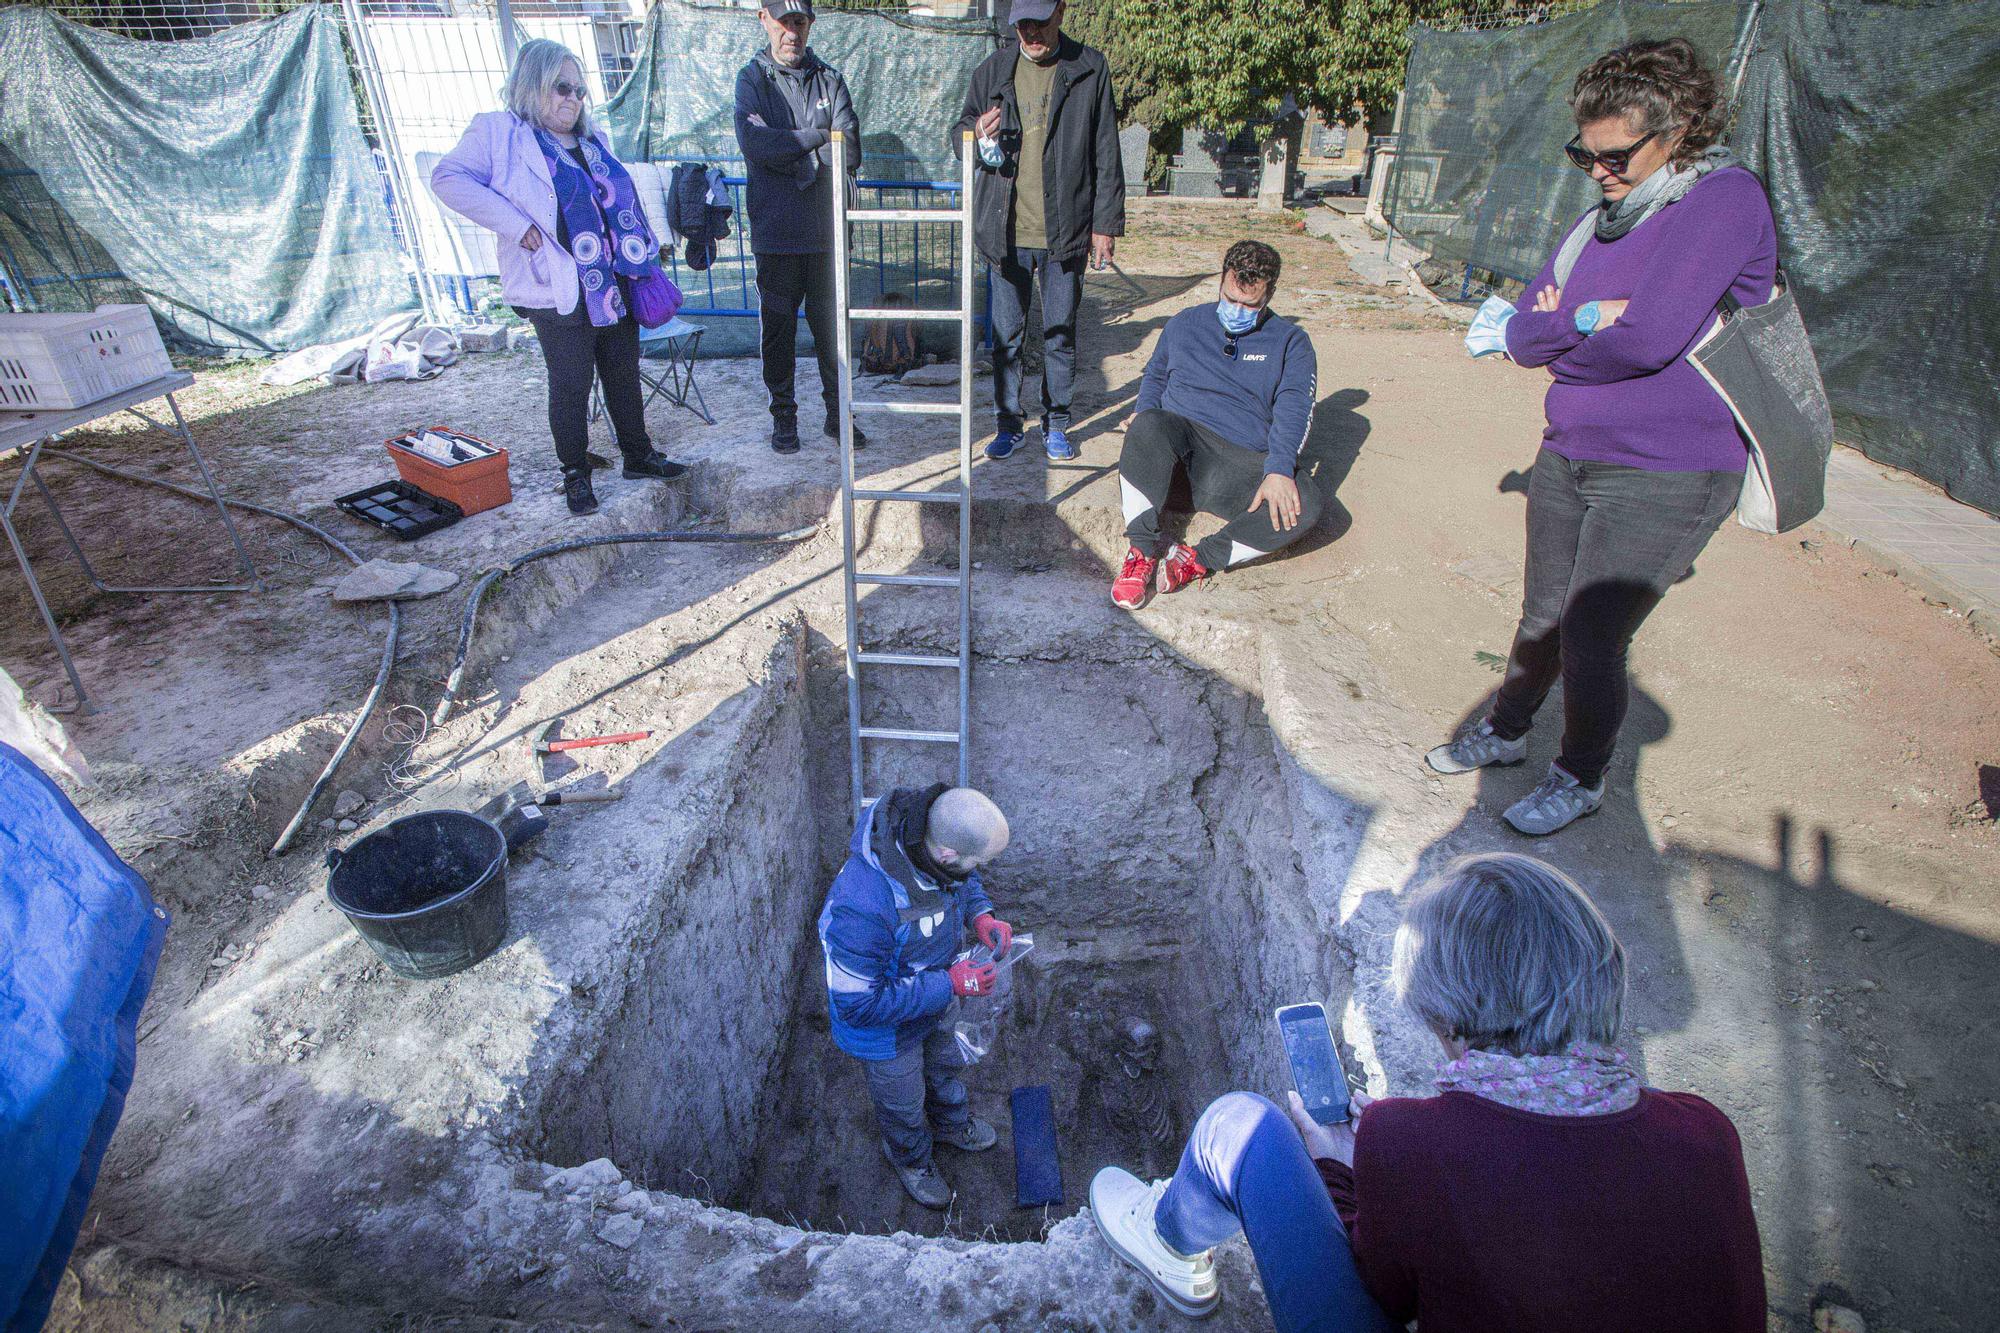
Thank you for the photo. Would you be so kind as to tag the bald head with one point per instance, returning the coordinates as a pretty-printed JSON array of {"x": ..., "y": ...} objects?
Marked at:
[{"x": 966, "y": 829}]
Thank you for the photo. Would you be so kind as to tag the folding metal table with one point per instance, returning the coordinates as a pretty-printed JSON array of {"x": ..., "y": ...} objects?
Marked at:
[{"x": 29, "y": 432}]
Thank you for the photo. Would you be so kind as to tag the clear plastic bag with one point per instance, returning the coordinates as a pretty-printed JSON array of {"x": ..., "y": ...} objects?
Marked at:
[{"x": 978, "y": 1022}]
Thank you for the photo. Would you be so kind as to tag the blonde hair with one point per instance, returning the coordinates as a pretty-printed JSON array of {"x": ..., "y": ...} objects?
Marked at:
[
  {"x": 537, "y": 66},
  {"x": 1506, "y": 953}
]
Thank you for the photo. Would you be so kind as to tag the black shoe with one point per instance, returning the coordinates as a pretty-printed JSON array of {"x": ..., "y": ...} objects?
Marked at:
[
  {"x": 598, "y": 462},
  {"x": 653, "y": 463},
  {"x": 785, "y": 435},
  {"x": 833, "y": 432},
  {"x": 576, "y": 490}
]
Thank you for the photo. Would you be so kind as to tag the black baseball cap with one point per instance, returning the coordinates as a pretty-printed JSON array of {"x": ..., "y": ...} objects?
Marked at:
[
  {"x": 1033, "y": 11},
  {"x": 779, "y": 9}
]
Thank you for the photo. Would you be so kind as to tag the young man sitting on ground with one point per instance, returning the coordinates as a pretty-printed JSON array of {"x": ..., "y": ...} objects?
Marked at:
[{"x": 1229, "y": 396}]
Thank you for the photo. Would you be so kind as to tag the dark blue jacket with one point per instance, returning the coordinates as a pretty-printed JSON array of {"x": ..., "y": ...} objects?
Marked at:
[
  {"x": 1261, "y": 398},
  {"x": 889, "y": 934},
  {"x": 788, "y": 159}
]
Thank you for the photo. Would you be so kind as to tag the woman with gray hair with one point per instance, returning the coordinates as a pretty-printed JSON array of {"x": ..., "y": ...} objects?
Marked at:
[
  {"x": 573, "y": 245},
  {"x": 1543, "y": 1189}
]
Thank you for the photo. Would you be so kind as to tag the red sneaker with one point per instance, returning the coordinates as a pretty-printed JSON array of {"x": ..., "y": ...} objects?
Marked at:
[
  {"x": 1134, "y": 583},
  {"x": 1180, "y": 568}
]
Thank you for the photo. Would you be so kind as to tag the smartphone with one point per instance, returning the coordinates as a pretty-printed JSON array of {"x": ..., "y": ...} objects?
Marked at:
[{"x": 1316, "y": 1071}]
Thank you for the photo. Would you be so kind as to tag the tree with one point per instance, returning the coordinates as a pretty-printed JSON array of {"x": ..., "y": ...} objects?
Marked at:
[{"x": 1224, "y": 64}]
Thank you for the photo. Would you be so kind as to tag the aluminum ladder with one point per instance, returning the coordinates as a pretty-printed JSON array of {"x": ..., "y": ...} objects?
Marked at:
[{"x": 852, "y": 577}]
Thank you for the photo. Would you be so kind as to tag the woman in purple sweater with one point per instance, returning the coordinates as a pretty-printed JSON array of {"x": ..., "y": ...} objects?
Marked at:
[
  {"x": 1543, "y": 1189},
  {"x": 1640, "y": 460}
]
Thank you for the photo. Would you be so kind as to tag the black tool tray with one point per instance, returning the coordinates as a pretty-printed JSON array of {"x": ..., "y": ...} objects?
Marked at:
[{"x": 400, "y": 509}]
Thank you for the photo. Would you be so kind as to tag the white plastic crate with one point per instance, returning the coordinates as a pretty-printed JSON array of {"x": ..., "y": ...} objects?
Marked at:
[{"x": 74, "y": 359}]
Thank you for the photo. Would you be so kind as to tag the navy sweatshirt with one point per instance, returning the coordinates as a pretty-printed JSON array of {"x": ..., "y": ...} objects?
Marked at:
[
  {"x": 787, "y": 159},
  {"x": 1261, "y": 398}
]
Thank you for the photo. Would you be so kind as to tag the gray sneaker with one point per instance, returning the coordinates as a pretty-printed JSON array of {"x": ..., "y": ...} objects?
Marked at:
[
  {"x": 1476, "y": 749},
  {"x": 922, "y": 1183},
  {"x": 975, "y": 1135},
  {"x": 1557, "y": 803}
]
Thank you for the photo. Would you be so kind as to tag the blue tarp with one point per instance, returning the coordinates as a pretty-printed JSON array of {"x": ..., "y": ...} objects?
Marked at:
[{"x": 80, "y": 936}]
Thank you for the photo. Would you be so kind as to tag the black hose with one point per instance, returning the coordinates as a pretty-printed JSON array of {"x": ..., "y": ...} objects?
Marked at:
[
  {"x": 284, "y": 841},
  {"x": 498, "y": 572}
]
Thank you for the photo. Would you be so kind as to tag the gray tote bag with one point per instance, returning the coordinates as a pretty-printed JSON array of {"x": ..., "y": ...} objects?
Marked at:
[{"x": 1759, "y": 361}]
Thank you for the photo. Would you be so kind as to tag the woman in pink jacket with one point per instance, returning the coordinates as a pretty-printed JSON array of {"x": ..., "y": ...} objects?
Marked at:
[{"x": 573, "y": 240}]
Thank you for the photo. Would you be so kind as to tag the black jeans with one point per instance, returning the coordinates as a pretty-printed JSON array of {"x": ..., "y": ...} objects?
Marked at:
[
  {"x": 1013, "y": 293},
  {"x": 1605, "y": 542},
  {"x": 574, "y": 349},
  {"x": 1222, "y": 479},
  {"x": 782, "y": 282}
]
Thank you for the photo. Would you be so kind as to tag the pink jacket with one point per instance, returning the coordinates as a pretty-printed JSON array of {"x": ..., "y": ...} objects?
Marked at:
[{"x": 498, "y": 178}]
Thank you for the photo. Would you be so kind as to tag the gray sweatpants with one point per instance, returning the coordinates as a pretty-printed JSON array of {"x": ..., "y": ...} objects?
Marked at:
[{"x": 916, "y": 1089}]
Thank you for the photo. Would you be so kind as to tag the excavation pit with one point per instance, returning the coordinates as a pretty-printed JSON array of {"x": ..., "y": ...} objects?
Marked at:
[{"x": 1153, "y": 859}]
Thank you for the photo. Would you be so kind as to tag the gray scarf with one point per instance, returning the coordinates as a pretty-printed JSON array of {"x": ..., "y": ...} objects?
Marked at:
[
  {"x": 1655, "y": 192},
  {"x": 1648, "y": 197}
]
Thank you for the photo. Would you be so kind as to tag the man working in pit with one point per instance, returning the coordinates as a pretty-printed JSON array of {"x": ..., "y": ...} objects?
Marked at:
[
  {"x": 1228, "y": 395},
  {"x": 892, "y": 925}
]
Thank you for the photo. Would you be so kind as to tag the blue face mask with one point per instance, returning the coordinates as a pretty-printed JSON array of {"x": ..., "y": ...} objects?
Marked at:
[{"x": 1236, "y": 320}]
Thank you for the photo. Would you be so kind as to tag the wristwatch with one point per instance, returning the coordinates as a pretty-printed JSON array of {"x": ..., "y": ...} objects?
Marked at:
[{"x": 1586, "y": 317}]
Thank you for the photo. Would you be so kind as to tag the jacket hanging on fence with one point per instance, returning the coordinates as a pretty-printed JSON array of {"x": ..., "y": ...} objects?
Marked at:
[{"x": 698, "y": 211}]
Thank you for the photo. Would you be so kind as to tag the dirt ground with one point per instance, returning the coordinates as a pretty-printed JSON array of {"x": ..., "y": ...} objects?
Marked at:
[{"x": 1793, "y": 850}]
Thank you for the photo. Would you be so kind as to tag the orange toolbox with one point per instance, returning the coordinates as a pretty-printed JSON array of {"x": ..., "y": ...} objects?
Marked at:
[{"x": 473, "y": 484}]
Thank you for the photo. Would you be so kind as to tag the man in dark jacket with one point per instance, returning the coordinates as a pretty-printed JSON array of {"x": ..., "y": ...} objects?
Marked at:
[
  {"x": 1049, "y": 192},
  {"x": 789, "y": 103},
  {"x": 1227, "y": 396},
  {"x": 891, "y": 931}
]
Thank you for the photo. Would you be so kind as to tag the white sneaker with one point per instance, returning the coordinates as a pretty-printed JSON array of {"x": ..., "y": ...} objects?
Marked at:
[{"x": 1122, "y": 1205}]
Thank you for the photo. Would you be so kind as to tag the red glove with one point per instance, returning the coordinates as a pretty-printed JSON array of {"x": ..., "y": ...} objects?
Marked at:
[
  {"x": 969, "y": 978},
  {"x": 994, "y": 933}
]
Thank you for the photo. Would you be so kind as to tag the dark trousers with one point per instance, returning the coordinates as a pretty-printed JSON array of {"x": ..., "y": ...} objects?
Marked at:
[
  {"x": 1222, "y": 478},
  {"x": 1605, "y": 542},
  {"x": 917, "y": 1089},
  {"x": 1013, "y": 292},
  {"x": 783, "y": 281},
  {"x": 574, "y": 349}
]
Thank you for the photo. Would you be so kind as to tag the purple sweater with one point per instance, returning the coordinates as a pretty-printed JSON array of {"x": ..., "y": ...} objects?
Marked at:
[{"x": 1627, "y": 393}]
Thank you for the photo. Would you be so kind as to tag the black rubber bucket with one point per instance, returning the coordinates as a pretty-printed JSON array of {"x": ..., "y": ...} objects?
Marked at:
[{"x": 428, "y": 892}]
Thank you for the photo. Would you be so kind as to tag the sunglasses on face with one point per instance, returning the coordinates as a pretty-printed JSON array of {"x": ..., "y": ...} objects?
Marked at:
[
  {"x": 564, "y": 88},
  {"x": 1617, "y": 161}
]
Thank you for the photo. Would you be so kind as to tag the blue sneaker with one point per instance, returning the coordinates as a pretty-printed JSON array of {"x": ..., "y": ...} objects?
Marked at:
[
  {"x": 1058, "y": 445},
  {"x": 1004, "y": 443}
]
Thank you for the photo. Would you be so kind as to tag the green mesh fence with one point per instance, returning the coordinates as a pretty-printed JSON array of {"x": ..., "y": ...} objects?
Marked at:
[
  {"x": 1876, "y": 129},
  {"x": 224, "y": 177},
  {"x": 907, "y": 76}
]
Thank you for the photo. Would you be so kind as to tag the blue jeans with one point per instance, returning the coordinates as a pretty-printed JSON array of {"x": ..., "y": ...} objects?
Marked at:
[
  {"x": 1246, "y": 1169},
  {"x": 1013, "y": 292}
]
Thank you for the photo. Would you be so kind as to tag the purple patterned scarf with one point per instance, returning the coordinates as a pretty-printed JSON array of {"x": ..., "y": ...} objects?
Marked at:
[
  {"x": 608, "y": 236},
  {"x": 1584, "y": 1080}
]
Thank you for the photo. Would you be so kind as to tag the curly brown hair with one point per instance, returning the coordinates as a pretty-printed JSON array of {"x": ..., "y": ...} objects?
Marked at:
[
  {"x": 1664, "y": 83},
  {"x": 1254, "y": 264}
]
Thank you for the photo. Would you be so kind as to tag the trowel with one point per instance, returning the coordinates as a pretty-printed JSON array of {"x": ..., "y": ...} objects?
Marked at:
[{"x": 521, "y": 815}]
